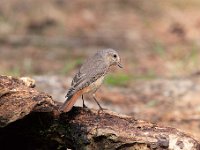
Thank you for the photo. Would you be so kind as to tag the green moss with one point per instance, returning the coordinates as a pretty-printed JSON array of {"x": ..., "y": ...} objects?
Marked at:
[
  {"x": 150, "y": 75},
  {"x": 70, "y": 65},
  {"x": 118, "y": 79},
  {"x": 27, "y": 65},
  {"x": 152, "y": 103},
  {"x": 159, "y": 49},
  {"x": 12, "y": 72},
  {"x": 122, "y": 79},
  {"x": 192, "y": 56}
]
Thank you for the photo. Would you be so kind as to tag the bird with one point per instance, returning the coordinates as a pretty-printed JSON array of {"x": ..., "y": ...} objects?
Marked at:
[{"x": 90, "y": 76}]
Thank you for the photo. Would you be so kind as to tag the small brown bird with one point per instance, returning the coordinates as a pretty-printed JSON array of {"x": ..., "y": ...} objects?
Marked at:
[{"x": 90, "y": 76}]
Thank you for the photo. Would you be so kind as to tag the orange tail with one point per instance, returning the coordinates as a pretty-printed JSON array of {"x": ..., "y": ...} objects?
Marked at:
[{"x": 69, "y": 103}]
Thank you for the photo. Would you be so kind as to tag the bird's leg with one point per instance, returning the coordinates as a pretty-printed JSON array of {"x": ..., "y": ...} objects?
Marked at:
[
  {"x": 97, "y": 102},
  {"x": 84, "y": 106}
]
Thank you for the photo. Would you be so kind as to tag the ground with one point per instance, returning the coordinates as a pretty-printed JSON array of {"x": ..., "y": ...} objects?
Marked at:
[{"x": 158, "y": 42}]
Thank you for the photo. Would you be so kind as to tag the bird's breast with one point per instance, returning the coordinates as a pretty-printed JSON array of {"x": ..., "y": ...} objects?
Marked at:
[{"x": 95, "y": 85}]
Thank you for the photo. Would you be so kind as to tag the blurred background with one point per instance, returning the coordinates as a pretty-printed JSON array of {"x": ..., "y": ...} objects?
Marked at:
[{"x": 159, "y": 42}]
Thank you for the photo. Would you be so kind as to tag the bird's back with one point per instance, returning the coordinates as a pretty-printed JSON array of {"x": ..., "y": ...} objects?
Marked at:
[{"x": 94, "y": 68}]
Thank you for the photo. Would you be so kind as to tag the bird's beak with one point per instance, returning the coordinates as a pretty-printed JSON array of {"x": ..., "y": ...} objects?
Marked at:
[{"x": 120, "y": 65}]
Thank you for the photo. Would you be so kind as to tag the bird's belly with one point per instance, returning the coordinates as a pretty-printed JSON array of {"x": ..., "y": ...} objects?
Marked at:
[{"x": 95, "y": 85}]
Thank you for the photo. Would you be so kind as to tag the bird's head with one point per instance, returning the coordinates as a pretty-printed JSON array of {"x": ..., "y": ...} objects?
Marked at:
[{"x": 112, "y": 57}]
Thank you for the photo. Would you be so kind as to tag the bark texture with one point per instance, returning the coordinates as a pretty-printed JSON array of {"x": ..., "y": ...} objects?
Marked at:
[
  {"x": 32, "y": 116},
  {"x": 18, "y": 98},
  {"x": 91, "y": 129}
]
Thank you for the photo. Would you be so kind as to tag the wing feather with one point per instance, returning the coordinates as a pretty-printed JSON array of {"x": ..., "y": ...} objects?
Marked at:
[{"x": 87, "y": 74}]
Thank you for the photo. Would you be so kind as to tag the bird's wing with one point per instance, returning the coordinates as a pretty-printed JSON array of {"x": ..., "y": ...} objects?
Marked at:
[
  {"x": 88, "y": 74},
  {"x": 91, "y": 64},
  {"x": 78, "y": 78}
]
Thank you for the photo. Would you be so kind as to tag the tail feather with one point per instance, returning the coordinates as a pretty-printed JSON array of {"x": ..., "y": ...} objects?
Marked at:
[
  {"x": 69, "y": 103},
  {"x": 70, "y": 93}
]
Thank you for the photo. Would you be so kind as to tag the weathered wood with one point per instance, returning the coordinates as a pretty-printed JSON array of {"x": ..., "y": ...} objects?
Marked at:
[
  {"x": 18, "y": 98},
  {"x": 90, "y": 129},
  {"x": 22, "y": 106}
]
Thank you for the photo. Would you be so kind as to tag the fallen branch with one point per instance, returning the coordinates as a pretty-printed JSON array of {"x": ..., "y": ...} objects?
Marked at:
[
  {"x": 18, "y": 98},
  {"x": 26, "y": 114}
]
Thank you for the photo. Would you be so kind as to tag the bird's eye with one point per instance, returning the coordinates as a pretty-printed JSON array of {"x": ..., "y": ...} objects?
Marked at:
[{"x": 115, "y": 56}]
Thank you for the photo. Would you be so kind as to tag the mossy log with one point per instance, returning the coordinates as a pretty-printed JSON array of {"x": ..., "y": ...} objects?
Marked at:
[{"x": 29, "y": 120}]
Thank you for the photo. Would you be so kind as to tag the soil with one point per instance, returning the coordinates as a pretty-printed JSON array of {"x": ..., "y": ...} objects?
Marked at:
[{"x": 158, "y": 42}]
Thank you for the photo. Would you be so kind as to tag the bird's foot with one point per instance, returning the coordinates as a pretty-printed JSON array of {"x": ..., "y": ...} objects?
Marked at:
[
  {"x": 84, "y": 106},
  {"x": 101, "y": 110}
]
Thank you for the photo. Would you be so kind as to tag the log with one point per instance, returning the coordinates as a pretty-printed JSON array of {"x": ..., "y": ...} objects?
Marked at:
[
  {"x": 32, "y": 116},
  {"x": 91, "y": 129},
  {"x": 18, "y": 98}
]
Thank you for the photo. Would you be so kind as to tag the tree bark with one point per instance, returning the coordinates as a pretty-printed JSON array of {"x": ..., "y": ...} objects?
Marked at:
[
  {"x": 32, "y": 116},
  {"x": 18, "y": 98}
]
